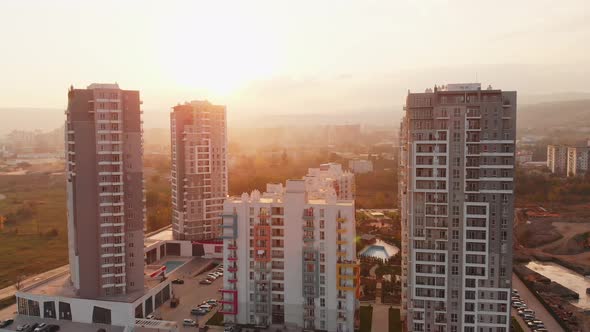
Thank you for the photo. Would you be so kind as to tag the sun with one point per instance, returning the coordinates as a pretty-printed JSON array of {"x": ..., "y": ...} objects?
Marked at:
[{"x": 216, "y": 54}]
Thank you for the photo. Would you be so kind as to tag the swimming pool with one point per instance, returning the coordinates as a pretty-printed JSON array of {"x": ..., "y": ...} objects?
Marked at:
[
  {"x": 380, "y": 249},
  {"x": 173, "y": 265}
]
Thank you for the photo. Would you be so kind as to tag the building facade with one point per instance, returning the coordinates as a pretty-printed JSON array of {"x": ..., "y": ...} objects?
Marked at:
[
  {"x": 578, "y": 159},
  {"x": 330, "y": 176},
  {"x": 360, "y": 166},
  {"x": 106, "y": 206},
  {"x": 290, "y": 260},
  {"x": 557, "y": 159},
  {"x": 199, "y": 169},
  {"x": 457, "y": 203}
]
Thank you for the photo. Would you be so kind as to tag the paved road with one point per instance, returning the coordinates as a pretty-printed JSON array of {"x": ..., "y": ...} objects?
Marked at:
[
  {"x": 10, "y": 290},
  {"x": 380, "y": 321},
  {"x": 534, "y": 304}
]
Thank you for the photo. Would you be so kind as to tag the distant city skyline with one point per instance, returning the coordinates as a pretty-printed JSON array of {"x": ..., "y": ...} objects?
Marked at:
[{"x": 257, "y": 57}]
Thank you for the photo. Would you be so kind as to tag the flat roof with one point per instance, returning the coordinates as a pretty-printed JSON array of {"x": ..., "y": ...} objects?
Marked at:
[{"x": 62, "y": 286}]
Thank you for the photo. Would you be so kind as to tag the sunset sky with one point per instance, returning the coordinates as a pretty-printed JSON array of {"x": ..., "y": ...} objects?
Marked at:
[{"x": 288, "y": 56}]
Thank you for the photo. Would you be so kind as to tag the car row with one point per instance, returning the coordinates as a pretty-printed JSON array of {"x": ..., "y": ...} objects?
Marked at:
[
  {"x": 212, "y": 276},
  {"x": 36, "y": 327},
  {"x": 528, "y": 315},
  {"x": 204, "y": 307},
  {"x": 6, "y": 323}
]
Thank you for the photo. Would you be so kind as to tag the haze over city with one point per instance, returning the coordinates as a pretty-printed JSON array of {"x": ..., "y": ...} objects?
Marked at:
[{"x": 275, "y": 57}]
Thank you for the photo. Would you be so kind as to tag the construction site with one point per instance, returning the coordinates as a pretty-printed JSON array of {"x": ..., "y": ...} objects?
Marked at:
[{"x": 552, "y": 257}]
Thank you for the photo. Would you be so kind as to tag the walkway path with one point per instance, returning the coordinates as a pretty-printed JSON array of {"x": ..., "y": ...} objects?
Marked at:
[
  {"x": 380, "y": 320},
  {"x": 10, "y": 290},
  {"x": 534, "y": 304}
]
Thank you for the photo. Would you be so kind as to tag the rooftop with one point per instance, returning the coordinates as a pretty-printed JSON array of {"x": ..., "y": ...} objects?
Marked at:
[
  {"x": 103, "y": 86},
  {"x": 62, "y": 286}
]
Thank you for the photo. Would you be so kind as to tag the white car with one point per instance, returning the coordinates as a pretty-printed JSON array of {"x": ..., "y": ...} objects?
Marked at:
[
  {"x": 206, "y": 306},
  {"x": 189, "y": 322}
]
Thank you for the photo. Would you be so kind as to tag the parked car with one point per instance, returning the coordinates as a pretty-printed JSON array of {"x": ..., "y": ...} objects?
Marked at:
[
  {"x": 178, "y": 281},
  {"x": 51, "y": 328},
  {"x": 22, "y": 327},
  {"x": 211, "y": 302},
  {"x": 31, "y": 327},
  {"x": 198, "y": 311},
  {"x": 232, "y": 328},
  {"x": 206, "y": 307},
  {"x": 6, "y": 323},
  {"x": 40, "y": 327},
  {"x": 189, "y": 322},
  {"x": 150, "y": 316},
  {"x": 205, "y": 282},
  {"x": 528, "y": 317}
]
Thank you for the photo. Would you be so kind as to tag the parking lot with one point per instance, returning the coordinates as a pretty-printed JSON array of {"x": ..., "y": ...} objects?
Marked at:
[
  {"x": 532, "y": 303},
  {"x": 191, "y": 294}
]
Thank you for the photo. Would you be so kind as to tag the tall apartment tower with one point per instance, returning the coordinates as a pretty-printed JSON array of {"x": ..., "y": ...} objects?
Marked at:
[
  {"x": 290, "y": 260},
  {"x": 557, "y": 159},
  {"x": 457, "y": 201},
  {"x": 199, "y": 169},
  {"x": 106, "y": 207}
]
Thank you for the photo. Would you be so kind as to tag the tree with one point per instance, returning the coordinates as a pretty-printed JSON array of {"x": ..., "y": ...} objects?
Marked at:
[{"x": 18, "y": 284}]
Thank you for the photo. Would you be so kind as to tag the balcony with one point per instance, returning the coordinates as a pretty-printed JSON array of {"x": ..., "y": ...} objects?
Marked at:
[
  {"x": 342, "y": 242},
  {"x": 341, "y": 230},
  {"x": 341, "y": 220}
]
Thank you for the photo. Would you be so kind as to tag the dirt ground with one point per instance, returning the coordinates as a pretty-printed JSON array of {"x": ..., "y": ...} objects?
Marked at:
[{"x": 563, "y": 238}]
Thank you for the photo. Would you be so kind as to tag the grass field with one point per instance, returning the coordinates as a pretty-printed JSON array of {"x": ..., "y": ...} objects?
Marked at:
[
  {"x": 395, "y": 323},
  {"x": 216, "y": 319},
  {"x": 26, "y": 246},
  {"x": 516, "y": 326},
  {"x": 366, "y": 316}
]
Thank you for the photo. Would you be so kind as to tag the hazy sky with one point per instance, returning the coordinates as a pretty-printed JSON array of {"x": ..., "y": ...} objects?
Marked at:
[{"x": 288, "y": 56}]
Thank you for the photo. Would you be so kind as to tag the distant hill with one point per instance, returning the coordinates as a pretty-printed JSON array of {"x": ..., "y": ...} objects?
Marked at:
[
  {"x": 26, "y": 118},
  {"x": 574, "y": 114}
]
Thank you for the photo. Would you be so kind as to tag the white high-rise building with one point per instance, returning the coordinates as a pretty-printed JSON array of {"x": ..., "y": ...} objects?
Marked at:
[
  {"x": 330, "y": 176},
  {"x": 457, "y": 203},
  {"x": 199, "y": 169},
  {"x": 290, "y": 259}
]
